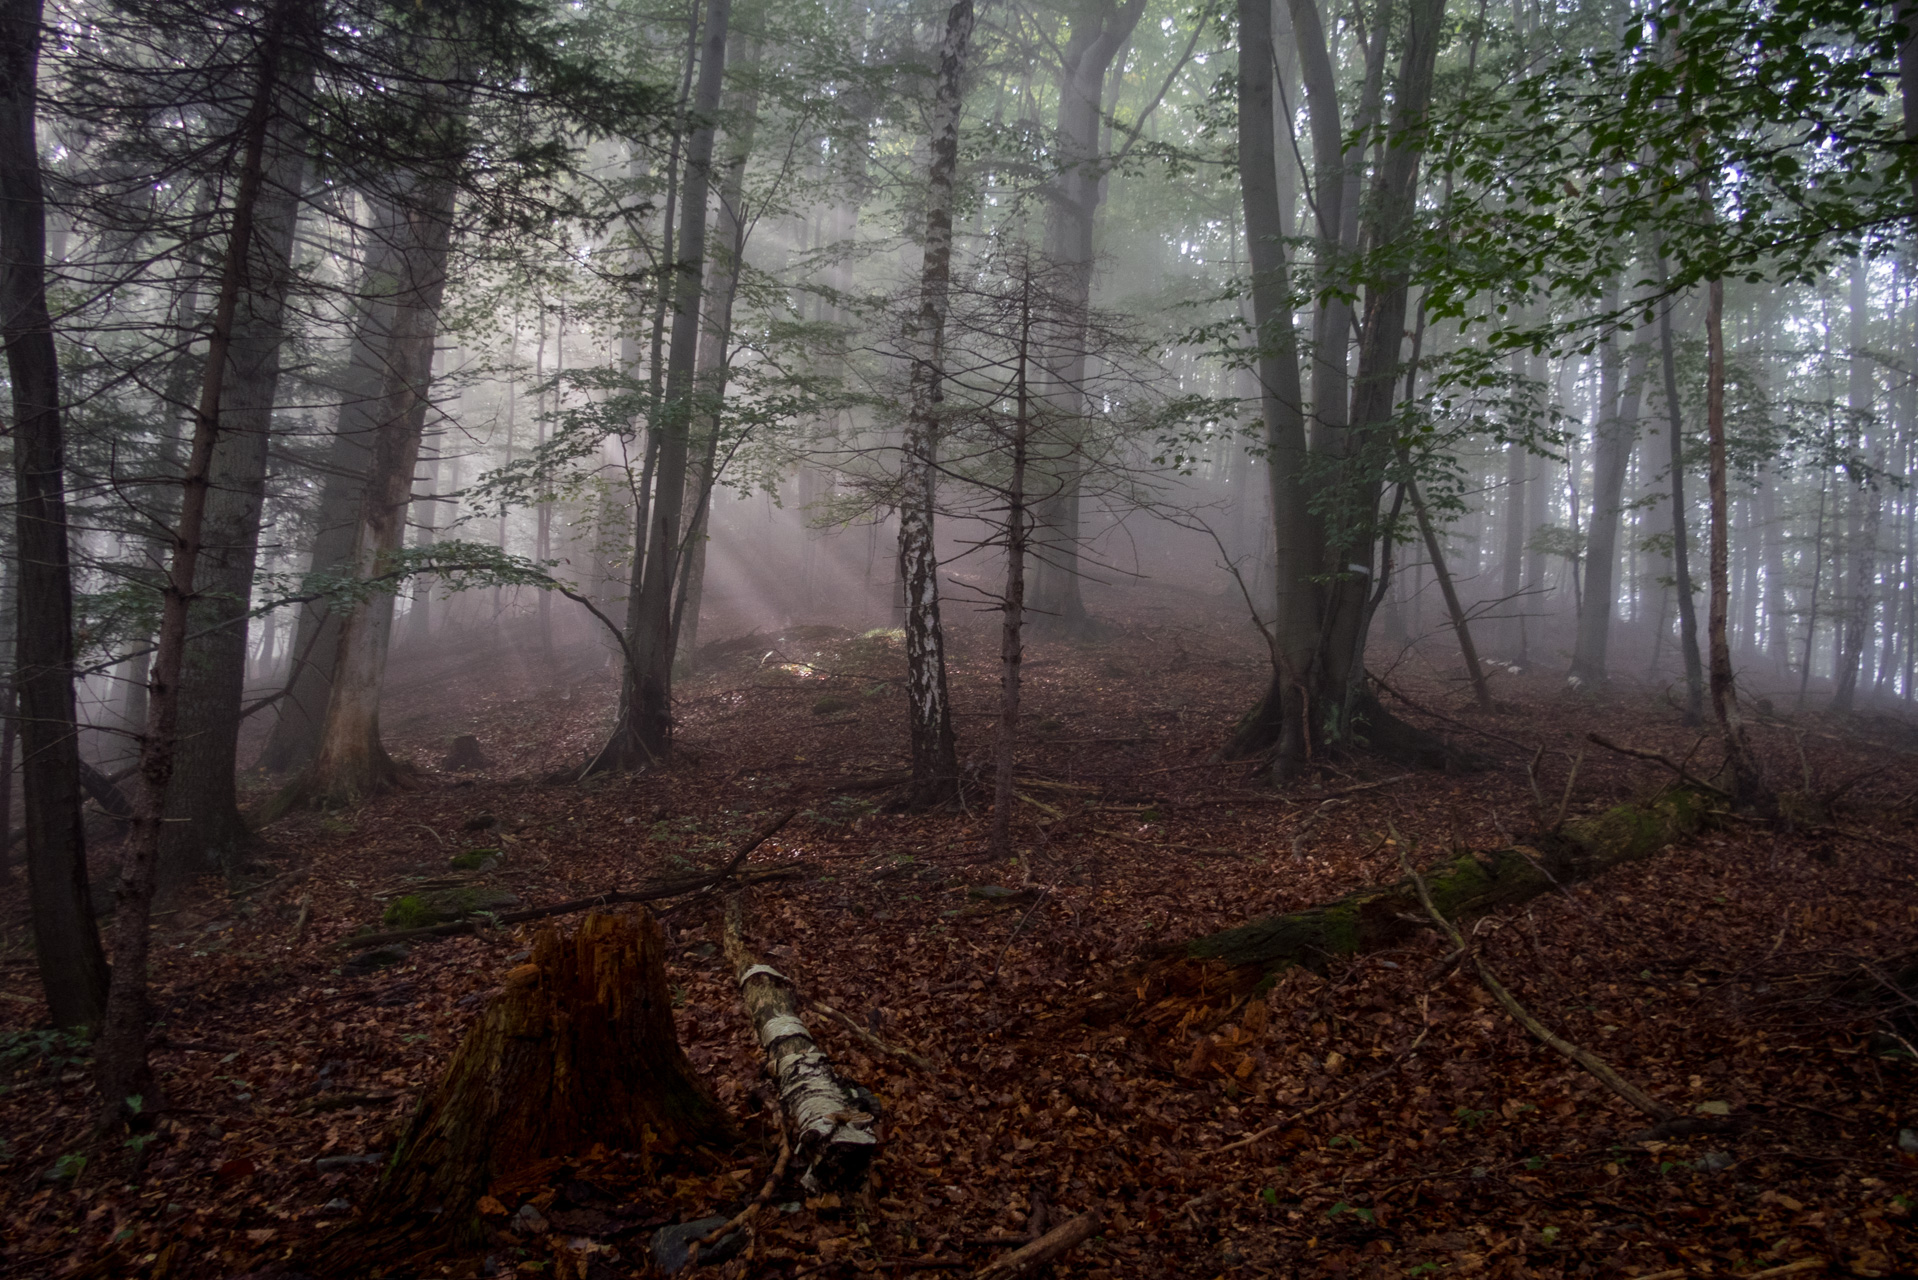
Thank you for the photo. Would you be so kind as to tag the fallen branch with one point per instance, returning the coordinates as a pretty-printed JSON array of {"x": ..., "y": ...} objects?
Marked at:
[
  {"x": 1339, "y": 1101},
  {"x": 832, "y": 1133},
  {"x": 651, "y": 893},
  {"x": 890, "y": 1050},
  {"x": 1596, "y": 1066},
  {"x": 1685, "y": 775},
  {"x": 1047, "y": 1248},
  {"x": 760, "y": 1201}
]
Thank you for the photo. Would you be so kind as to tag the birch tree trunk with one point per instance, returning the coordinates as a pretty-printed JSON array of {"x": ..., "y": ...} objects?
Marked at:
[
  {"x": 935, "y": 760},
  {"x": 73, "y": 968}
]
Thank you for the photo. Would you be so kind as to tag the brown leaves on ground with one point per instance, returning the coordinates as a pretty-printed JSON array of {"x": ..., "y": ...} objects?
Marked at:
[{"x": 1749, "y": 976}]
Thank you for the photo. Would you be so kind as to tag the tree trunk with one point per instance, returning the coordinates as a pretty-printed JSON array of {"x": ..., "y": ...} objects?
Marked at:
[
  {"x": 203, "y": 826},
  {"x": 72, "y": 966},
  {"x": 1615, "y": 433},
  {"x": 1681, "y": 538},
  {"x": 1481, "y": 692},
  {"x": 577, "y": 1050},
  {"x": 120, "y": 1052},
  {"x": 1860, "y": 601},
  {"x": 1013, "y": 604},
  {"x": 1099, "y": 33},
  {"x": 935, "y": 758},
  {"x": 351, "y": 763},
  {"x": 1747, "y": 788},
  {"x": 710, "y": 374},
  {"x": 644, "y": 732},
  {"x": 1322, "y": 701},
  {"x": 302, "y": 712}
]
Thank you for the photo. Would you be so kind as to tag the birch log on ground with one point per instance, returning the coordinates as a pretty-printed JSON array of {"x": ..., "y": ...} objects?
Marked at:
[{"x": 833, "y": 1142}]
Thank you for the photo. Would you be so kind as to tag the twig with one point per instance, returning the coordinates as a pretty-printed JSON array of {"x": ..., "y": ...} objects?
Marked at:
[
  {"x": 1339, "y": 1101},
  {"x": 1591, "y": 1062},
  {"x": 1686, "y": 775},
  {"x": 758, "y": 1202},
  {"x": 891, "y": 1050},
  {"x": 1565, "y": 801},
  {"x": 299, "y": 924}
]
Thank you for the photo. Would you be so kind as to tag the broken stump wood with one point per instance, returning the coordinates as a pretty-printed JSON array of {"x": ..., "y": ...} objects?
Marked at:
[
  {"x": 577, "y": 1049},
  {"x": 1464, "y": 888},
  {"x": 465, "y": 753},
  {"x": 832, "y": 1138}
]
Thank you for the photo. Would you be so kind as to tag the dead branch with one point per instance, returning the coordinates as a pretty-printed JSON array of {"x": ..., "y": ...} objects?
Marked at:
[
  {"x": 1047, "y": 1248},
  {"x": 890, "y": 1050},
  {"x": 1592, "y": 1063},
  {"x": 760, "y": 1201},
  {"x": 1685, "y": 775},
  {"x": 651, "y": 893}
]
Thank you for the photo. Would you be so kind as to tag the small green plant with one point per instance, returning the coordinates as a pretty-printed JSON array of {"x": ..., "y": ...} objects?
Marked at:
[
  {"x": 1548, "y": 1234},
  {"x": 1423, "y": 1269},
  {"x": 1271, "y": 1196},
  {"x": 1470, "y": 1118},
  {"x": 68, "y": 1167},
  {"x": 54, "y": 1050}
]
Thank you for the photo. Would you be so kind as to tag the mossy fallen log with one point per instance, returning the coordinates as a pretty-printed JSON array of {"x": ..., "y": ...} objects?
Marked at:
[{"x": 1464, "y": 887}]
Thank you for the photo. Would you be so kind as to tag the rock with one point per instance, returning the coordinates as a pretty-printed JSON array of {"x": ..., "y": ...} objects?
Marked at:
[
  {"x": 479, "y": 822},
  {"x": 1714, "y": 1162},
  {"x": 337, "y": 1205},
  {"x": 530, "y": 1221},
  {"x": 340, "y": 1164},
  {"x": 475, "y": 860},
  {"x": 377, "y": 958},
  {"x": 992, "y": 892},
  {"x": 671, "y": 1244},
  {"x": 1908, "y": 1141}
]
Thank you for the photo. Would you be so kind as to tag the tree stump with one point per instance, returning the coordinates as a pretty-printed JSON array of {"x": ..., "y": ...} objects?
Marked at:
[
  {"x": 577, "y": 1049},
  {"x": 465, "y": 753}
]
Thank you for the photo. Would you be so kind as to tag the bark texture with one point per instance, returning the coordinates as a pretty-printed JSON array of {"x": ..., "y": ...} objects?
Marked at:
[
  {"x": 203, "y": 824},
  {"x": 935, "y": 758},
  {"x": 352, "y": 762},
  {"x": 644, "y": 732},
  {"x": 316, "y": 643},
  {"x": 832, "y": 1136},
  {"x": 577, "y": 1049},
  {"x": 72, "y": 964}
]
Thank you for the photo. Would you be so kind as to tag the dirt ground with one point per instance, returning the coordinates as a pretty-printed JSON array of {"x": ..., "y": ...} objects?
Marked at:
[{"x": 1748, "y": 974}]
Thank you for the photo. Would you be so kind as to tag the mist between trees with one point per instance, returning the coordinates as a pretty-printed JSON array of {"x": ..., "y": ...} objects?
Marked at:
[{"x": 1481, "y": 336}]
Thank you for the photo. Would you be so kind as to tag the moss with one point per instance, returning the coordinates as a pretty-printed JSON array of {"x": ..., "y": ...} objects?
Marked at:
[
  {"x": 831, "y": 703},
  {"x": 410, "y": 912},
  {"x": 475, "y": 860},
  {"x": 418, "y": 910}
]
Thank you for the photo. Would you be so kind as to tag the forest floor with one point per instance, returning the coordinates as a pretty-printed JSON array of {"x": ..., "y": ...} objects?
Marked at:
[{"x": 1742, "y": 974}]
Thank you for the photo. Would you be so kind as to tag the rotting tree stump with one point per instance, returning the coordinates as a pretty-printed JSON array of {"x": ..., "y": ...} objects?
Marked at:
[
  {"x": 464, "y": 753},
  {"x": 577, "y": 1049}
]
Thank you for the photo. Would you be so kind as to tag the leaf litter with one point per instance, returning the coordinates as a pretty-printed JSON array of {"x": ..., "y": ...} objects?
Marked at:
[{"x": 1378, "y": 1118}]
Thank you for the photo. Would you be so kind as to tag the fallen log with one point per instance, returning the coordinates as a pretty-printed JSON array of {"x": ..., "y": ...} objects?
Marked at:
[
  {"x": 1471, "y": 885},
  {"x": 832, "y": 1138},
  {"x": 577, "y": 1049},
  {"x": 675, "y": 888}
]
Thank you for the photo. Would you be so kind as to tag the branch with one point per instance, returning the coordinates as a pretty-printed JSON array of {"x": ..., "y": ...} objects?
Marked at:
[
  {"x": 1684, "y": 774},
  {"x": 1591, "y": 1062}
]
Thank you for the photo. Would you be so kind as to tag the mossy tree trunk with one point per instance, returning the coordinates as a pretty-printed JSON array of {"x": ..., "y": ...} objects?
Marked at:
[
  {"x": 577, "y": 1049},
  {"x": 1464, "y": 888}
]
